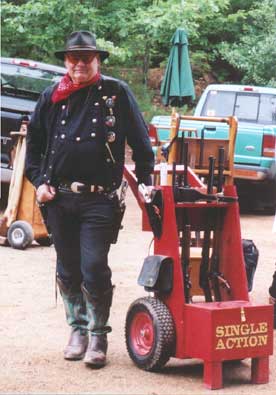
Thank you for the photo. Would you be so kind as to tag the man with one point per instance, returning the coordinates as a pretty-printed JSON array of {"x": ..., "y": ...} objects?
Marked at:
[{"x": 75, "y": 157}]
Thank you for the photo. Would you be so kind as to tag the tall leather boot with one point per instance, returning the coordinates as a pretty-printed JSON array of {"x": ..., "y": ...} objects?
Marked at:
[
  {"x": 75, "y": 310},
  {"x": 98, "y": 309}
]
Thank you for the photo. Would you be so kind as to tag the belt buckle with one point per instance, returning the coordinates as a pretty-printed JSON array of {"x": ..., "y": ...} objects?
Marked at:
[{"x": 75, "y": 186}]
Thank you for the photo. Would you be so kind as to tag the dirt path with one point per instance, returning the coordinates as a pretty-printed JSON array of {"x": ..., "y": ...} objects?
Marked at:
[{"x": 33, "y": 331}]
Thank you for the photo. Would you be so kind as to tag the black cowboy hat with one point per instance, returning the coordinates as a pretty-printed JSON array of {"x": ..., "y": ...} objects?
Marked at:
[{"x": 81, "y": 41}]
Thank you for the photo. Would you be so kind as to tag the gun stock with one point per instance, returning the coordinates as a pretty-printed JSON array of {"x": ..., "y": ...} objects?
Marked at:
[
  {"x": 185, "y": 260},
  {"x": 204, "y": 265}
]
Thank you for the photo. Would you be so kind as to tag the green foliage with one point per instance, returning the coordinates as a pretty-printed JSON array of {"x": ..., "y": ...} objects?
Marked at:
[
  {"x": 254, "y": 53},
  {"x": 39, "y": 27},
  {"x": 233, "y": 39}
]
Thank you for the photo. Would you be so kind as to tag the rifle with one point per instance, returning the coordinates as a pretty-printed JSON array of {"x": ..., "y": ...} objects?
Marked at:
[
  {"x": 215, "y": 276},
  {"x": 186, "y": 193},
  {"x": 220, "y": 169},
  {"x": 210, "y": 184},
  {"x": 182, "y": 194},
  {"x": 204, "y": 265},
  {"x": 185, "y": 260}
]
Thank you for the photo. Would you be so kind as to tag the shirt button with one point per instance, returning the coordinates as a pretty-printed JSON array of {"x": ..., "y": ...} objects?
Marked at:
[
  {"x": 108, "y": 159},
  {"x": 94, "y": 120},
  {"x": 63, "y": 106},
  {"x": 99, "y": 88},
  {"x": 96, "y": 104},
  {"x": 62, "y": 136},
  {"x": 56, "y": 136},
  {"x": 63, "y": 122},
  {"x": 77, "y": 138},
  {"x": 52, "y": 152},
  {"x": 50, "y": 167},
  {"x": 93, "y": 134}
]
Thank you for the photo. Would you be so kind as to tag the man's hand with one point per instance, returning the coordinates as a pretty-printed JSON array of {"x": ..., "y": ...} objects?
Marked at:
[{"x": 45, "y": 193}]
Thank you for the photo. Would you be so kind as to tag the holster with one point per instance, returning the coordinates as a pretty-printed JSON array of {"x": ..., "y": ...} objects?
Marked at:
[
  {"x": 117, "y": 223},
  {"x": 155, "y": 212}
]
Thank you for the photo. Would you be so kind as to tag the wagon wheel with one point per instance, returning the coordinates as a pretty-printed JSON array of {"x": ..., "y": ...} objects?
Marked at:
[
  {"x": 20, "y": 235},
  {"x": 150, "y": 334}
]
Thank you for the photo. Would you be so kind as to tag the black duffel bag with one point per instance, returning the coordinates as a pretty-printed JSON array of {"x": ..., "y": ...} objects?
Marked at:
[{"x": 251, "y": 256}]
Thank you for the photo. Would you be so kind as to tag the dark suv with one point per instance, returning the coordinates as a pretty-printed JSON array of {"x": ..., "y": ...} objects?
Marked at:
[{"x": 22, "y": 81}]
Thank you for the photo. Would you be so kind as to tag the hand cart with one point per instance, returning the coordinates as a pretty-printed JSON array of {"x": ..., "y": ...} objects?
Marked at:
[
  {"x": 198, "y": 305},
  {"x": 22, "y": 221}
]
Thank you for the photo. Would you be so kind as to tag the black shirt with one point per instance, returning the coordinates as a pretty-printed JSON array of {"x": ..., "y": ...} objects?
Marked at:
[{"x": 83, "y": 138}]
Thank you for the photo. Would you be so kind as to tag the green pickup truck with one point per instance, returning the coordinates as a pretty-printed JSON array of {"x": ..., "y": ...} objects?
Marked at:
[{"x": 255, "y": 149}]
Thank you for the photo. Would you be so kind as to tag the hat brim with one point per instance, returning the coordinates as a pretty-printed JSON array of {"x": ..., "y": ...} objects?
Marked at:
[{"x": 103, "y": 54}]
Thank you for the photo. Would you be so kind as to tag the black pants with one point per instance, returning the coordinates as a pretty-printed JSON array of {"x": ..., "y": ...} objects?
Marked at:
[{"x": 81, "y": 226}]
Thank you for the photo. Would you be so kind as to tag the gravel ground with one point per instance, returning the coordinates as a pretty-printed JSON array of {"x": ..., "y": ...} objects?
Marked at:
[{"x": 33, "y": 330}]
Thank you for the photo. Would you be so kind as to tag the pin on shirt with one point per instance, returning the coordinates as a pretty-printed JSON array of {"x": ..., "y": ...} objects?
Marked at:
[
  {"x": 110, "y": 120},
  {"x": 111, "y": 136},
  {"x": 110, "y": 102}
]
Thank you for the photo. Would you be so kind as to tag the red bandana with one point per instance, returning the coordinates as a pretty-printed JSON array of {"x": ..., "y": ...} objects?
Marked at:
[{"x": 66, "y": 87}]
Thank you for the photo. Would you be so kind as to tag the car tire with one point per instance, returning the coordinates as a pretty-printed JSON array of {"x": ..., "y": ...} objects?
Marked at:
[{"x": 20, "y": 235}]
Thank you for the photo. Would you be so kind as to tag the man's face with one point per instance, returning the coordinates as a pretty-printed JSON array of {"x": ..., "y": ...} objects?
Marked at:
[{"x": 81, "y": 66}]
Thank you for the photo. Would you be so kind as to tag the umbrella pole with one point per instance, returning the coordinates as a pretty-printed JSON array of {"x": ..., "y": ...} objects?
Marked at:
[
  {"x": 175, "y": 122},
  {"x": 172, "y": 155}
]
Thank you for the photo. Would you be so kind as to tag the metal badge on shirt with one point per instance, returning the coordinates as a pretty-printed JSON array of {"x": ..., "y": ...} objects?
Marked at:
[{"x": 110, "y": 121}]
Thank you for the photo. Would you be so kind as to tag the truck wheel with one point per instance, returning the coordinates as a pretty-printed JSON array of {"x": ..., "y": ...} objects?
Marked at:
[
  {"x": 45, "y": 241},
  {"x": 150, "y": 334},
  {"x": 20, "y": 235}
]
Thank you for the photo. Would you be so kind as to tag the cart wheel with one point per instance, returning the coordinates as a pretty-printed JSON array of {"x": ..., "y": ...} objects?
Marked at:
[
  {"x": 20, "y": 235},
  {"x": 45, "y": 241},
  {"x": 150, "y": 334}
]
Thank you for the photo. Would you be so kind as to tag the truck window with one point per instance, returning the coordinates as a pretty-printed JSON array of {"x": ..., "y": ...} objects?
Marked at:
[
  {"x": 267, "y": 114},
  {"x": 219, "y": 104},
  {"x": 247, "y": 107}
]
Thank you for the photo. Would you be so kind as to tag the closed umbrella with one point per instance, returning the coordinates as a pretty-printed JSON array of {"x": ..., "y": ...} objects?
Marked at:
[{"x": 177, "y": 86}]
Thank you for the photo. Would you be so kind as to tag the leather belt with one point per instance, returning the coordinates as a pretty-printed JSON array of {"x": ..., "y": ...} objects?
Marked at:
[{"x": 79, "y": 187}]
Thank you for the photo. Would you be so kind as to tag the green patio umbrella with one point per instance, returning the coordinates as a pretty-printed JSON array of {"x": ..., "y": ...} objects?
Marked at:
[{"x": 177, "y": 87}]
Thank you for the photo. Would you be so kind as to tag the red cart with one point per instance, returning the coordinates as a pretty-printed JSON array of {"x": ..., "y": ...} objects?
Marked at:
[{"x": 198, "y": 305}]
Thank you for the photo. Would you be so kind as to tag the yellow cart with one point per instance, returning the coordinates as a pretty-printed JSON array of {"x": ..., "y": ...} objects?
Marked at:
[{"x": 22, "y": 221}]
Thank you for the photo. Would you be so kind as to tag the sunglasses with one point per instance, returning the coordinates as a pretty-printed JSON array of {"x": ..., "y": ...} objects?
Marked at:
[{"x": 84, "y": 57}]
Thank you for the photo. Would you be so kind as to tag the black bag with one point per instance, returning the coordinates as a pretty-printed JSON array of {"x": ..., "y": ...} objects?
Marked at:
[{"x": 251, "y": 255}]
